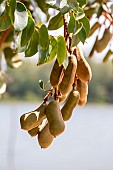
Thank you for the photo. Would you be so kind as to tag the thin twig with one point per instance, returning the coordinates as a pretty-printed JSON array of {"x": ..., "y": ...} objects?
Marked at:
[
  {"x": 48, "y": 95},
  {"x": 5, "y": 36},
  {"x": 70, "y": 48},
  {"x": 67, "y": 36},
  {"x": 56, "y": 95}
]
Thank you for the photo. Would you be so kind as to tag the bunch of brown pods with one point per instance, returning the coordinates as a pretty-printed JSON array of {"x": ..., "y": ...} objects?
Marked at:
[{"x": 70, "y": 86}]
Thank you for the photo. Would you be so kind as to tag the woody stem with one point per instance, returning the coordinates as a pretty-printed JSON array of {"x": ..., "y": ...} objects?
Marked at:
[{"x": 67, "y": 36}]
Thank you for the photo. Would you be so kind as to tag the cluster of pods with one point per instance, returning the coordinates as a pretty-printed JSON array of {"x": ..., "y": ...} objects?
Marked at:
[{"x": 70, "y": 88}]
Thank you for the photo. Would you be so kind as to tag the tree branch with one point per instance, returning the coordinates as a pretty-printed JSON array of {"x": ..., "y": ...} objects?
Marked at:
[
  {"x": 5, "y": 36},
  {"x": 66, "y": 34},
  {"x": 48, "y": 95}
]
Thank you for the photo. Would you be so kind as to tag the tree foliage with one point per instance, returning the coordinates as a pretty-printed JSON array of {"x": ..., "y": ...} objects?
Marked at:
[{"x": 22, "y": 30}]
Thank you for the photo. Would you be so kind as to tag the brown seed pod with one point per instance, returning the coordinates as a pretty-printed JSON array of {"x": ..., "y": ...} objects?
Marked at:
[
  {"x": 94, "y": 28},
  {"x": 82, "y": 89},
  {"x": 44, "y": 137},
  {"x": 103, "y": 42},
  {"x": 54, "y": 117},
  {"x": 69, "y": 75},
  {"x": 70, "y": 104},
  {"x": 33, "y": 132},
  {"x": 62, "y": 98},
  {"x": 56, "y": 74},
  {"x": 83, "y": 68},
  {"x": 82, "y": 102},
  {"x": 32, "y": 119}
]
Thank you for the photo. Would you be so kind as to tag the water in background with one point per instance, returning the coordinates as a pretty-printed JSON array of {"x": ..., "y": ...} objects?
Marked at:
[{"x": 86, "y": 144}]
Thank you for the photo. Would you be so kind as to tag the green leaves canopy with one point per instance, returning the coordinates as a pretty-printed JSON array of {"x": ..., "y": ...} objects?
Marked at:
[{"x": 31, "y": 36}]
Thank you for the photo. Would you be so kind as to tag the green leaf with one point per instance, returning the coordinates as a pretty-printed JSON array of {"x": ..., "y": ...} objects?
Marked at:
[
  {"x": 82, "y": 35},
  {"x": 2, "y": 7},
  {"x": 79, "y": 15},
  {"x": 5, "y": 22},
  {"x": 18, "y": 47},
  {"x": 13, "y": 59},
  {"x": 33, "y": 46},
  {"x": 52, "y": 49},
  {"x": 75, "y": 40},
  {"x": 71, "y": 24},
  {"x": 42, "y": 56},
  {"x": 41, "y": 84},
  {"x": 61, "y": 50},
  {"x": 56, "y": 22},
  {"x": 12, "y": 6},
  {"x": 86, "y": 25},
  {"x": 27, "y": 31},
  {"x": 65, "y": 9},
  {"x": 82, "y": 2},
  {"x": 43, "y": 37},
  {"x": 73, "y": 4},
  {"x": 66, "y": 61},
  {"x": 21, "y": 17},
  {"x": 46, "y": 56},
  {"x": 78, "y": 27}
]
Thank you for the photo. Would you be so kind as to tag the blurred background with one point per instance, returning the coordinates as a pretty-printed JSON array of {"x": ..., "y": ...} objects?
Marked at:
[{"x": 87, "y": 142}]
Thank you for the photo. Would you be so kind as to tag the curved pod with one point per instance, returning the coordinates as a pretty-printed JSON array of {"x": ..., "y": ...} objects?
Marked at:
[
  {"x": 62, "y": 98},
  {"x": 33, "y": 132},
  {"x": 83, "y": 90},
  {"x": 82, "y": 102},
  {"x": 32, "y": 119},
  {"x": 44, "y": 137},
  {"x": 56, "y": 74},
  {"x": 69, "y": 76},
  {"x": 54, "y": 117},
  {"x": 83, "y": 72},
  {"x": 70, "y": 104}
]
